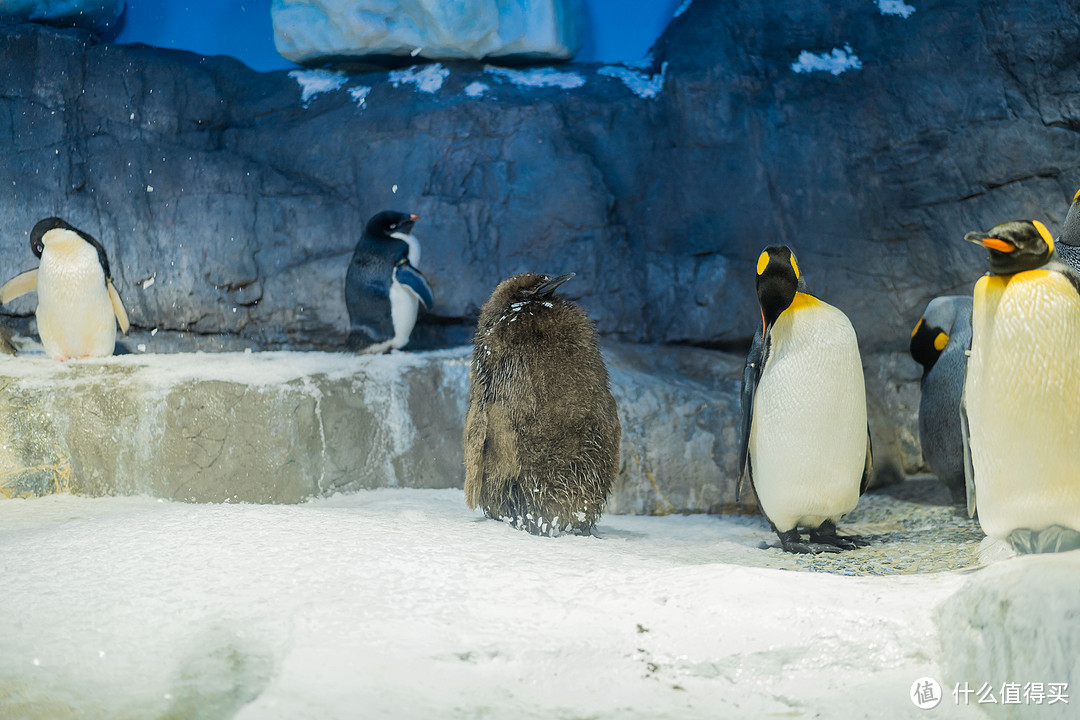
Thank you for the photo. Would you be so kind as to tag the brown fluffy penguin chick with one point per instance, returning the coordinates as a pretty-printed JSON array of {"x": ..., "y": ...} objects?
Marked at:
[{"x": 542, "y": 432}]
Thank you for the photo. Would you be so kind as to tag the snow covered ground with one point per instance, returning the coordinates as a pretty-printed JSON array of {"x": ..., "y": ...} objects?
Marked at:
[{"x": 405, "y": 604}]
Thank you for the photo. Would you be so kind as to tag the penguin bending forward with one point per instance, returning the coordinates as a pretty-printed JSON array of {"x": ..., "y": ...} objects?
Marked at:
[
  {"x": 383, "y": 287},
  {"x": 805, "y": 440},
  {"x": 939, "y": 343},
  {"x": 542, "y": 431},
  {"x": 78, "y": 306},
  {"x": 1021, "y": 406}
]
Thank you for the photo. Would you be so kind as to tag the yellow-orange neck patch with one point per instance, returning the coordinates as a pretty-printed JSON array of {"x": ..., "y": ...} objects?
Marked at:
[
  {"x": 1045, "y": 234},
  {"x": 917, "y": 326},
  {"x": 941, "y": 341},
  {"x": 762, "y": 262}
]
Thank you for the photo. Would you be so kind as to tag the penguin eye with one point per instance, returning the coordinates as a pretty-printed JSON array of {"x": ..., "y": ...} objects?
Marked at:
[{"x": 393, "y": 226}]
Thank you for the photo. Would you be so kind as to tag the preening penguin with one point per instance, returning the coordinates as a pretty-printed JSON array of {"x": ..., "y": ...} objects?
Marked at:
[
  {"x": 805, "y": 442},
  {"x": 542, "y": 431},
  {"x": 1020, "y": 407},
  {"x": 383, "y": 287},
  {"x": 78, "y": 306},
  {"x": 939, "y": 343},
  {"x": 1068, "y": 243}
]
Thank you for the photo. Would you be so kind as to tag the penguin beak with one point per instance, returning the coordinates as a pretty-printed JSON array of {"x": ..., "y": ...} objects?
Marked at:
[
  {"x": 413, "y": 217},
  {"x": 1002, "y": 246},
  {"x": 552, "y": 284}
]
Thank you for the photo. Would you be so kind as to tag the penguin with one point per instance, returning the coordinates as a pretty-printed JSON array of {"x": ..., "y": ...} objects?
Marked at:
[
  {"x": 805, "y": 443},
  {"x": 78, "y": 306},
  {"x": 542, "y": 431},
  {"x": 939, "y": 343},
  {"x": 1020, "y": 409},
  {"x": 1068, "y": 243},
  {"x": 383, "y": 287}
]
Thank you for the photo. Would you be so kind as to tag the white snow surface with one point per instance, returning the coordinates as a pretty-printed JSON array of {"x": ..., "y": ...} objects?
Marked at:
[
  {"x": 537, "y": 77},
  {"x": 895, "y": 7},
  {"x": 639, "y": 83},
  {"x": 317, "y": 82},
  {"x": 427, "y": 79},
  {"x": 836, "y": 61},
  {"x": 405, "y": 604}
]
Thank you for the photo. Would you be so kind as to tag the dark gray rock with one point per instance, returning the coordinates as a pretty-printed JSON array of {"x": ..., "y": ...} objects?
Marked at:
[{"x": 230, "y": 200}]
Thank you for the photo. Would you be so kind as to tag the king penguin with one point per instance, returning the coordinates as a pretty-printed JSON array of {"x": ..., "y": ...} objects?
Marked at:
[
  {"x": 805, "y": 440},
  {"x": 383, "y": 287},
  {"x": 78, "y": 306},
  {"x": 542, "y": 430},
  {"x": 1020, "y": 410},
  {"x": 939, "y": 343}
]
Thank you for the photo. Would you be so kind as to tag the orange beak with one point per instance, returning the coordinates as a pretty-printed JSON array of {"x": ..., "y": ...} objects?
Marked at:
[{"x": 998, "y": 244}]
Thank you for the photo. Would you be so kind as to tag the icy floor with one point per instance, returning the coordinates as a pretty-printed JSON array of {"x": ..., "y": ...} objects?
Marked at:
[{"x": 405, "y": 604}]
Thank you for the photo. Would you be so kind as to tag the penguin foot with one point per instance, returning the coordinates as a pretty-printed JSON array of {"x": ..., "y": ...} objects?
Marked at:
[
  {"x": 826, "y": 535},
  {"x": 792, "y": 542},
  {"x": 1050, "y": 540}
]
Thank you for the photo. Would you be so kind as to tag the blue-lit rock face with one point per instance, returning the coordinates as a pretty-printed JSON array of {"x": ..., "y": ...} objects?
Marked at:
[
  {"x": 312, "y": 31},
  {"x": 98, "y": 16},
  {"x": 230, "y": 201}
]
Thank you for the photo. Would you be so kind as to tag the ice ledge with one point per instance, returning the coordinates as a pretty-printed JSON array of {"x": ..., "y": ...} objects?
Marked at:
[{"x": 281, "y": 427}]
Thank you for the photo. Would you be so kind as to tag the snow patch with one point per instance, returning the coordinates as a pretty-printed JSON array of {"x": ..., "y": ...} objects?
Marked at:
[
  {"x": 537, "y": 77},
  {"x": 359, "y": 95},
  {"x": 639, "y": 83},
  {"x": 837, "y": 61},
  {"x": 476, "y": 89},
  {"x": 427, "y": 79},
  {"x": 895, "y": 7},
  {"x": 682, "y": 8},
  {"x": 316, "y": 82}
]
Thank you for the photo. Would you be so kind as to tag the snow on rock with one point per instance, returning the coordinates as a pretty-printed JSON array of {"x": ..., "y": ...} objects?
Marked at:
[
  {"x": 306, "y": 31},
  {"x": 100, "y": 16},
  {"x": 895, "y": 7},
  {"x": 427, "y": 79},
  {"x": 643, "y": 85},
  {"x": 538, "y": 77},
  {"x": 317, "y": 82},
  {"x": 359, "y": 94},
  {"x": 682, "y": 8},
  {"x": 1016, "y": 621},
  {"x": 476, "y": 89},
  {"x": 408, "y": 605},
  {"x": 836, "y": 61}
]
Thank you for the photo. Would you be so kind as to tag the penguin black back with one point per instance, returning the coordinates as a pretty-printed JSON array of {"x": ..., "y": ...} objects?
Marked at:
[
  {"x": 1068, "y": 243},
  {"x": 37, "y": 241},
  {"x": 542, "y": 432}
]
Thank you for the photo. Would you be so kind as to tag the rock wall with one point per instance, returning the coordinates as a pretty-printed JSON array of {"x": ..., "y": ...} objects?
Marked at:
[
  {"x": 102, "y": 17},
  {"x": 230, "y": 201}
]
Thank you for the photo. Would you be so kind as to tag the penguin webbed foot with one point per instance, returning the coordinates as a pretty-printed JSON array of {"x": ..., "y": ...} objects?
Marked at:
[
  {"x": 792, "y": 542},
  {"x": 826, "y": 534}
]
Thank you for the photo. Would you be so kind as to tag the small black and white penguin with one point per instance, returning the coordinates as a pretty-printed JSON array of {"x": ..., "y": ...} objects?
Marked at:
[
  {"x": 939, "y": 343},
  {"x": 1020, "y": 409},
  {"x": 383, "y": 287},
  {"x": 78, "y": 306},
  {"x": 805, "y": 440},
  {"x": 1068, "y": 242},
  {"x": 542, "y": 431}
]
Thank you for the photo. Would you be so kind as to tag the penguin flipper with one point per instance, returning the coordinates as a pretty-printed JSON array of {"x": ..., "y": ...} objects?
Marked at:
[
  {"x": 475, "y": 435},
  {"x": 751, "y": 376},
  {"x": 869, "y": 466},
  {"x": 414, "y": 281},
  {"x": 118, "y": 307},
  {"x": 18, "y": 285},
  {"x": 969, "y": 468}
]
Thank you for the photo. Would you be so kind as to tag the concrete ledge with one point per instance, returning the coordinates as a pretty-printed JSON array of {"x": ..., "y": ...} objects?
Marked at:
[{"x": 280, "y": 427}]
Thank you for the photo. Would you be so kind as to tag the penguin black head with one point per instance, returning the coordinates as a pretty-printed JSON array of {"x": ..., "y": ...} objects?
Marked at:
[
  {"x": 1015, "y": 246},
  {"x": 44, "y": 227},
  {"x": 778, "y": 279},
  {"x": 927, "y": 342},
  {"x": 389, "y": 223}
]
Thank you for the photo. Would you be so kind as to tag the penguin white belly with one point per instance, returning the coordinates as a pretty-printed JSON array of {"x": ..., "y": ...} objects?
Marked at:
[
  {"x": 1023, "y": 402},
  {"x": 808, "y": 437},
  {"x": 403, "y": 310},
  {"x": 74, "y": 314}
]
